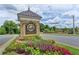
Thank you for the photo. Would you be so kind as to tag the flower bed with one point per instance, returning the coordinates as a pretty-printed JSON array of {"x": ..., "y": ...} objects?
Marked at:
[{"x": 35, "y": 45}]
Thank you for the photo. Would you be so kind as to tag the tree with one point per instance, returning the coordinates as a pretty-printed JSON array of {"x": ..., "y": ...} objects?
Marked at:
[
  {"x": 46, "y": 26},
  {"x": 70, "y": 31},
  {"x": 42, "y": 27},
  {"x": 76, "y": 29},
  {"x": 54, "y": 28},
  {"x": 10, "y": 27},
  {"x": 65, "y": 30},
  {"x": 2, "y": 30}
]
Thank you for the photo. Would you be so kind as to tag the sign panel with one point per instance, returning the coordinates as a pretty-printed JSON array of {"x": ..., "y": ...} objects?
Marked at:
[{"x": 30, "y": 28}]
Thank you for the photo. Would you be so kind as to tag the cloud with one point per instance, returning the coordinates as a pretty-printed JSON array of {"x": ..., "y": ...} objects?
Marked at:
[
  {"x": 51, "y": 13},
  {"x": 9, "y": 7},
  {"x": 72, "y": 12},
  {"x": 56, "y": 20},
  {"x": 7, "y": 12}
]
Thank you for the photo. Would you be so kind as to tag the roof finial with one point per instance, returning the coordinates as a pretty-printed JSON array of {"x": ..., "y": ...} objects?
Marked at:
[{"x": 28, "y": 7}]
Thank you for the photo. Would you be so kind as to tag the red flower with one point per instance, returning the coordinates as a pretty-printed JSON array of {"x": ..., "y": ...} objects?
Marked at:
[{"x": 66, "y": 52}]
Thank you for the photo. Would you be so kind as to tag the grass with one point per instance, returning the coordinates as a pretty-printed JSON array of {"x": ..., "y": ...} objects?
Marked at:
[
  {"x": 74, "y": 51},
  {"x": 64, "y": 34},
  {"x": 70, "y": 34}
]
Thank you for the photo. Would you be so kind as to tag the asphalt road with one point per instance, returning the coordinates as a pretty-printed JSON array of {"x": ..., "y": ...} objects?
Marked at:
[
  {"x": 69, "y": 40},
  {"x": 5, "y": 38}
]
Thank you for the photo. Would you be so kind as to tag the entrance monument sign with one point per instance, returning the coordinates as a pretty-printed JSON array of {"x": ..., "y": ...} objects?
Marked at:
[{"x": 29, "y": 23}]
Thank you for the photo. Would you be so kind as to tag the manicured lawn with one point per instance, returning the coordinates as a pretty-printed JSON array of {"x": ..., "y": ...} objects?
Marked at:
[
  {"x": 74, "y": 51},
  {"x": 69, "y": 34},
  {"x": 62, "y": 34}
]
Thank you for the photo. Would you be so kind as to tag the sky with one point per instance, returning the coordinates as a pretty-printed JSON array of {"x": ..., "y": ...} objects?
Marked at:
[{"x": 59, "y": 15}]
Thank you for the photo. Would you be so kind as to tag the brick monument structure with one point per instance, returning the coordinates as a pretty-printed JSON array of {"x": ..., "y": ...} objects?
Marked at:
[{"x": 29, "y": 23}]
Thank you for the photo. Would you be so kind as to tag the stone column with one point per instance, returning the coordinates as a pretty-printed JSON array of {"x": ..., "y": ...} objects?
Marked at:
[
  {"x": 22, "y": 30},
  {"x": 24, "y": 33},
  {"x": 38, "y": 27}
]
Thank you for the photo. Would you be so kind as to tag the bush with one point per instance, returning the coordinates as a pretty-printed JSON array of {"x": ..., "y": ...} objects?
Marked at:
[
  {"x": 70, "y": 31},
  {"x": 2, "y": 31}
]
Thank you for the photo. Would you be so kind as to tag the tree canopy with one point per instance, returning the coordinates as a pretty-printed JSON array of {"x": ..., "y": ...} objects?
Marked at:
[{"x": 10, "y": 27}]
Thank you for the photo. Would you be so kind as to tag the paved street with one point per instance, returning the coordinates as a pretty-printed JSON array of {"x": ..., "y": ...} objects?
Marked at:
[
  {"x": 5, "y": 38},
  {"x": 69, "y": 40}
]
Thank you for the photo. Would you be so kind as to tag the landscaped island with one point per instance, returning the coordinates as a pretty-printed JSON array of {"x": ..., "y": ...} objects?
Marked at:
[{"x": 35, "y": 45}]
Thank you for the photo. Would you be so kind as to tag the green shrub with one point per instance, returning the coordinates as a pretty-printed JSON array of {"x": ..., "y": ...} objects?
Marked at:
[{"x": 2, "y": 31}]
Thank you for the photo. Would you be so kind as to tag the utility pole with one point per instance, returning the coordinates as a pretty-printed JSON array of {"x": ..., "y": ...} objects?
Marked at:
[{"x": 73, "y": 24}]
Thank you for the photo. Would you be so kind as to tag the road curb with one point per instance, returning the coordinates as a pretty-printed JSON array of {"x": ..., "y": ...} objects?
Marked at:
[{"x": 2, "y": 48}]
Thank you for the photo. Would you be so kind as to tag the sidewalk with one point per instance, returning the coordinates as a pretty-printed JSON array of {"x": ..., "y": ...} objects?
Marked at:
[{"x": 2, "y": 48}]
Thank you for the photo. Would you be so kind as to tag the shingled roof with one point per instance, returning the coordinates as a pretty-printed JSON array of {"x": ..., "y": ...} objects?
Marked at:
[{"x": 29, "y": 13}]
